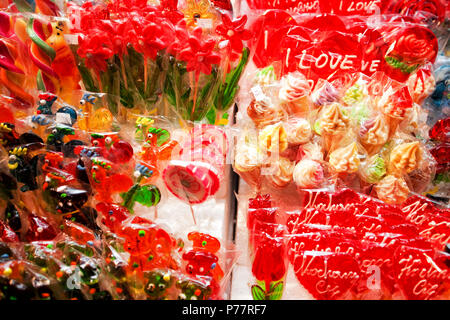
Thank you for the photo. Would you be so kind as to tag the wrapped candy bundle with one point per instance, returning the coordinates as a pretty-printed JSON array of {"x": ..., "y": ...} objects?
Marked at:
[
  {"x": 332, "y": 127},
  {"x": 153, "y": 57},
  {"x": 327, "y": 117},
  {"x": 74, "y": 213}
]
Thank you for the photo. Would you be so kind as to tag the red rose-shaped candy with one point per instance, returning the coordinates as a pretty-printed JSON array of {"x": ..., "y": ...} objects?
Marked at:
[
  {"x": 441, "y": 130},
  {"x": 413, "y": 47}
]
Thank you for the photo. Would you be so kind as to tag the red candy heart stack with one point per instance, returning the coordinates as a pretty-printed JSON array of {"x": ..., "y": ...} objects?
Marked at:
[{"x": 346, "y": 245}]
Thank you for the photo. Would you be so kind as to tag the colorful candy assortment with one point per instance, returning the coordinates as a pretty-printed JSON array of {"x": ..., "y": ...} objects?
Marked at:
[
  {"x": 113, "y": 111},
  {"x": 337, "y": 140}
]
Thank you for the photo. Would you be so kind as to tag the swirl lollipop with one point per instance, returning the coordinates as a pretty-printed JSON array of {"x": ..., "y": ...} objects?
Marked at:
[{"x": 42, "y": 54}]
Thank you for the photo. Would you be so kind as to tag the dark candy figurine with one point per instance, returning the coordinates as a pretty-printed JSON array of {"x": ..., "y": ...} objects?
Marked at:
[
  {"x": 9, "y": 138},
  {"x": 158, "y": 283},
  {"x": 23, "y": 168},
  {"x": 45, "y": 103},
  {"x": 55, "y": 139},
  {"x": 12, "y": 217},
  {"x": 193, "y": 290},
  {"x": 68, "y": 200}
]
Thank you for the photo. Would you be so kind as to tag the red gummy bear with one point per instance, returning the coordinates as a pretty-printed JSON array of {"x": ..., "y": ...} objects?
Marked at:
[
  {"x": 7, "y": 234},
  {"x": 203, "y": 241},
  {"x": 441, "y": 153},
  {"x": 106, "y": 182},
  {"x": 112, "y": 148},
  {"x": 203, "y": 263},
  {"x": 78, "y": 232},
  {"x": 149, "y": 246},
  {"x": 39, "y": 229},
  {"x": 441, "y": 130},
  {"x": 112, "y": 214}
]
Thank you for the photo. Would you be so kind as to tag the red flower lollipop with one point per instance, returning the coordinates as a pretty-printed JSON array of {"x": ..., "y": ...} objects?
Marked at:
[
  {"x": 199, "y": 55},
  {"x": 269, "y": 263},
  {"x": 96, "y": 49},
  {"x": 419, "y": 9},
  {"x": 233, "y": 33},
  {"x": 412, "y": 48},
  {"x": 180, "y": 38}
]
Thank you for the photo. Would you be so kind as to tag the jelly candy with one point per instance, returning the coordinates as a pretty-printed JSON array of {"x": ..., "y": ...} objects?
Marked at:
[
  {"x": 202, "y": 263},
  {"x": 23, "y": 168},
  {"x": 193, "y": 290},
  {"x": 68, "y": 200},
  {"x": 112, "y": 148},
  {"x": 9, "y": 138},
  {"x": 112, "y": 214},
  {"x": 45, "y": 103},
  {"x": 55, "y": 139},
  {"x": 7, "y": 234},
  {"x": 157, "y": 284},
  {"x": 78, "y": 232},
  {"x": 441, "y": 130},
  {"x": 203, "y": 241},
  {"x": 39, "y": 229},
  {"x": 105, "y": 181}
]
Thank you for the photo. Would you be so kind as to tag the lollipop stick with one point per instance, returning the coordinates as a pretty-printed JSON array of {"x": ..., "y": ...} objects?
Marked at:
[
  {"x": 193, "y": 216},
  {"x": 145, "y": 74},
  {"x": 195, "y": 92},
  {"x": 122, "y": 65}
]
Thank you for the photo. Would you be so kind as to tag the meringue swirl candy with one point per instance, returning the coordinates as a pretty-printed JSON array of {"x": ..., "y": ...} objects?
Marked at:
[
  {"x": 282, "y": 175},
  {"x": 298, "y": 131},
  {"x": 308, "y": 174},
  {"x": 421, "y": 84},
  {"x": 294, "y": 93},
  {"x": 332, "y": 119},
  {"x": 266, "y": 76},
  {"x": 405, "y": 158},
  {"x": 374, "y": 133},
  {"x": 345, "y": 159},
  {"x": 325, "y": 95},
  {"x": 312, "y": 151},
  {"x": 262, "y": 112},
  {"x": 247, "y": 157},
  {"x": 247, "y": 161},
  {"x": 392, "y": 190},
  {"x": 273, "y": 138},
  {"x": 376, "y": 169}
]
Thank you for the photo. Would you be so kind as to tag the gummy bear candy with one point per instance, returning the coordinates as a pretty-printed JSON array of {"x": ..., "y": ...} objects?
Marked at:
[
  {"x": 441, "y": 130},
  {"x": 203, "y": 241},
  {"x": 203, "y": 263},
  {"x": 193, "y": 290},
  {"x": 112, "y": 214},
  {"x": 39, "y": 229},
  {"x": 158, "y": 283}
]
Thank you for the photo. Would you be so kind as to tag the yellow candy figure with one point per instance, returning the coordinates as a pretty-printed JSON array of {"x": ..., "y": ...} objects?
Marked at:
[{"x": 99, "y": 120}]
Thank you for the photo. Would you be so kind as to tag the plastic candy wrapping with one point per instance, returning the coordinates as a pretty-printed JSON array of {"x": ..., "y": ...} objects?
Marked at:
[
  {"x": 341, "y": 124},
  {"x": 88, "y": 134},
  {"x": 327, "y": 116}
]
